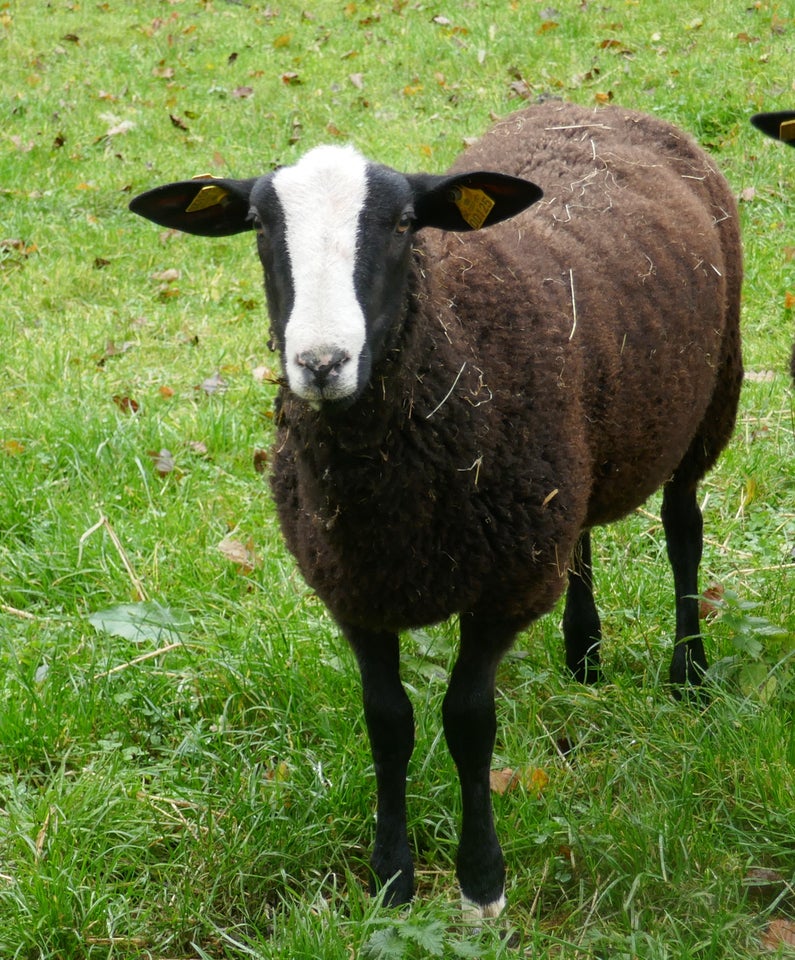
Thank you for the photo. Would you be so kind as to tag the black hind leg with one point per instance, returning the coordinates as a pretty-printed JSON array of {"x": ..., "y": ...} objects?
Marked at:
[
  {"x": 683, "y": 526},
  {"x": 582, "y": 631}
]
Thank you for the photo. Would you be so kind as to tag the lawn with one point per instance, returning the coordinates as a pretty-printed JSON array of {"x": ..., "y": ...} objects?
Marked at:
[{"x": 184, "y": 768}]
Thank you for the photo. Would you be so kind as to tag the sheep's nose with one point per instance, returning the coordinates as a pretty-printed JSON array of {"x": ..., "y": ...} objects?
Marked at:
[{"x": 322, "y": 366}]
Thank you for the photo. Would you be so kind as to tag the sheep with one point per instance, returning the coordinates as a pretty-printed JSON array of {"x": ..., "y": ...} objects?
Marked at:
[
  {"x": 475, "y": 375},
  {"x": 779, "y": 125}
]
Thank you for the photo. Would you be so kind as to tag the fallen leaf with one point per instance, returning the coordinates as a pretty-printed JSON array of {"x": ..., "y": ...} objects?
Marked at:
[
  {"x": 198, "y": 447},
  {"x": 213, "y": 384},
  {"x": 123, "y": 126},
  {"x": 100, "y": 263},
  {"x": 241, "y": 554},
  {"x": 779, "y": 933},
  {"x": 163, "y": 461},
  {"x": 113, "y": 349},
  {"x": 165, "y": 276},
  {"x": 241, "y": 93},
  {"x": 126, "y": 404},
  {"x": 179, "y": 124},
  {"x": 291, "y": 78},
  {"x": 148, "y": 620},
  {"x": 533, "y": 779},
  {"x": 501, "y": 781},
  {"x": 709, "y": 604},
  {"x": 13, "y": 447},
  {"x": 280, "y": 773},
  {"x": 747, "y": 194},
  {"x": 261, "y": 461},
  {"x": 789, "y": 300},
  {"x": 162, "y": 72},
  {"x": 166, "y": 392}
]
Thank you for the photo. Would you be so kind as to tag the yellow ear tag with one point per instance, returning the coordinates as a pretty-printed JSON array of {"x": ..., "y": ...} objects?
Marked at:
[
  {"x": 787, "y": 130},
  {"x": 474, "y": 206},
  {"x": 208, "y": 196}
]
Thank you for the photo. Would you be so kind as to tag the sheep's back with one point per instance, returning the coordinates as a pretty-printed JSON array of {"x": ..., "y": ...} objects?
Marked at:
[{"x": 620, "y": 289}]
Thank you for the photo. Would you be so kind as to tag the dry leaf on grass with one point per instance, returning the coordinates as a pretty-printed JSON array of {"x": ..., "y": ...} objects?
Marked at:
[
  {"x": 533, "y": 779},
  {"x": 778, "y": 934},
  {"x": 242, "y": 555}
]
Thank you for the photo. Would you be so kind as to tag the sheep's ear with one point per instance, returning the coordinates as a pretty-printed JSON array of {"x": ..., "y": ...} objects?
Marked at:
[
  {"x": 780, "y": 126},
  {"x": 205, "y": 206},
  {"x": 470, "y": 201}
]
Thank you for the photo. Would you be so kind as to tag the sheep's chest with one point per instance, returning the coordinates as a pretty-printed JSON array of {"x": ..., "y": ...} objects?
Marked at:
[{"x": 390, "y": 536}]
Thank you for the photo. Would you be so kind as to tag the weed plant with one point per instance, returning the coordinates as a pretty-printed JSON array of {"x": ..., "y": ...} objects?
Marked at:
[{"x": 184, "y": 770}]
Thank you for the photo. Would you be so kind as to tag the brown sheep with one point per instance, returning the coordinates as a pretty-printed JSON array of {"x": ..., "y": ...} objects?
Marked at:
[{"x": 461, "y": 406}]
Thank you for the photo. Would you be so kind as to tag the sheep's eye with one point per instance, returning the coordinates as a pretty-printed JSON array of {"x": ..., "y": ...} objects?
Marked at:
[
  {"x": 404, "y": 223},
  {"x": 257, "y": 224}
]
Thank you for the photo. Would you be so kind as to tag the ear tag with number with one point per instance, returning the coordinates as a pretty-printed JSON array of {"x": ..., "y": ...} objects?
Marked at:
[{"x": 473, "y": 205}]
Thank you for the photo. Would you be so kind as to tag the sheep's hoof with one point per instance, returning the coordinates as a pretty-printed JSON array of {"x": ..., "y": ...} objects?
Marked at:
[{"x": 472, "y": 912}]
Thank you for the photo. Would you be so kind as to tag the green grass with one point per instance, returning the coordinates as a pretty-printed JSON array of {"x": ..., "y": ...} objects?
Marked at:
[{"x": 215, "y": 800}]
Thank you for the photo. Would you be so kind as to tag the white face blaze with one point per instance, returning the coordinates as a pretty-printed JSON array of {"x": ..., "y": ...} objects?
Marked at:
[{"x": 322, "y": 197}]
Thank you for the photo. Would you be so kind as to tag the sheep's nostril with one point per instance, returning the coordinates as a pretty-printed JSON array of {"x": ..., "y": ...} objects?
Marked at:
[{"x": 323, "y": 365}]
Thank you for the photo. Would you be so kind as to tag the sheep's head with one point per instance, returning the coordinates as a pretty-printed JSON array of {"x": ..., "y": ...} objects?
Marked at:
[{"x": 334, "y": 235}]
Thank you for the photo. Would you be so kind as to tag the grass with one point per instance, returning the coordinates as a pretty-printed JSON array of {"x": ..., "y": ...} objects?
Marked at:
[{"x": 215, "y": 799}]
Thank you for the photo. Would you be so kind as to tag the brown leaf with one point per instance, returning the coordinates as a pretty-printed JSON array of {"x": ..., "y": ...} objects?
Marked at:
[
  {"x": 241, "y": 554},
  {"x": 789, "y": 300},
  {"x": 502, "y": 781},
  {"x": 748, "y": 194},
  {"x": 291, "y": 78},
  {"x": 162, "y": 72},
  {"x": 779, "y": 933},
  {"x": 260, "y": 461},
  {"x": 533, "y": 779},
  {"x": 241, "y": 93},
  {"x": 179, "y": 124},
  {"x": 126, "y": 404},
  {"x": 12, "y": 448},
  {"x": 100, "y": 263},
  {"x": 165, "y": 276},
  {"x": 709, "y": 604}
]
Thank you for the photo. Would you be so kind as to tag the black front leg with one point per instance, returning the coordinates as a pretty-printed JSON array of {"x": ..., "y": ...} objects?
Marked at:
[
  {"x": 582, "y": 631},
  {"x": 683, "y": 525},
  {"x": 470, "y": 727},
  {"x": 390, "y": 726}
]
